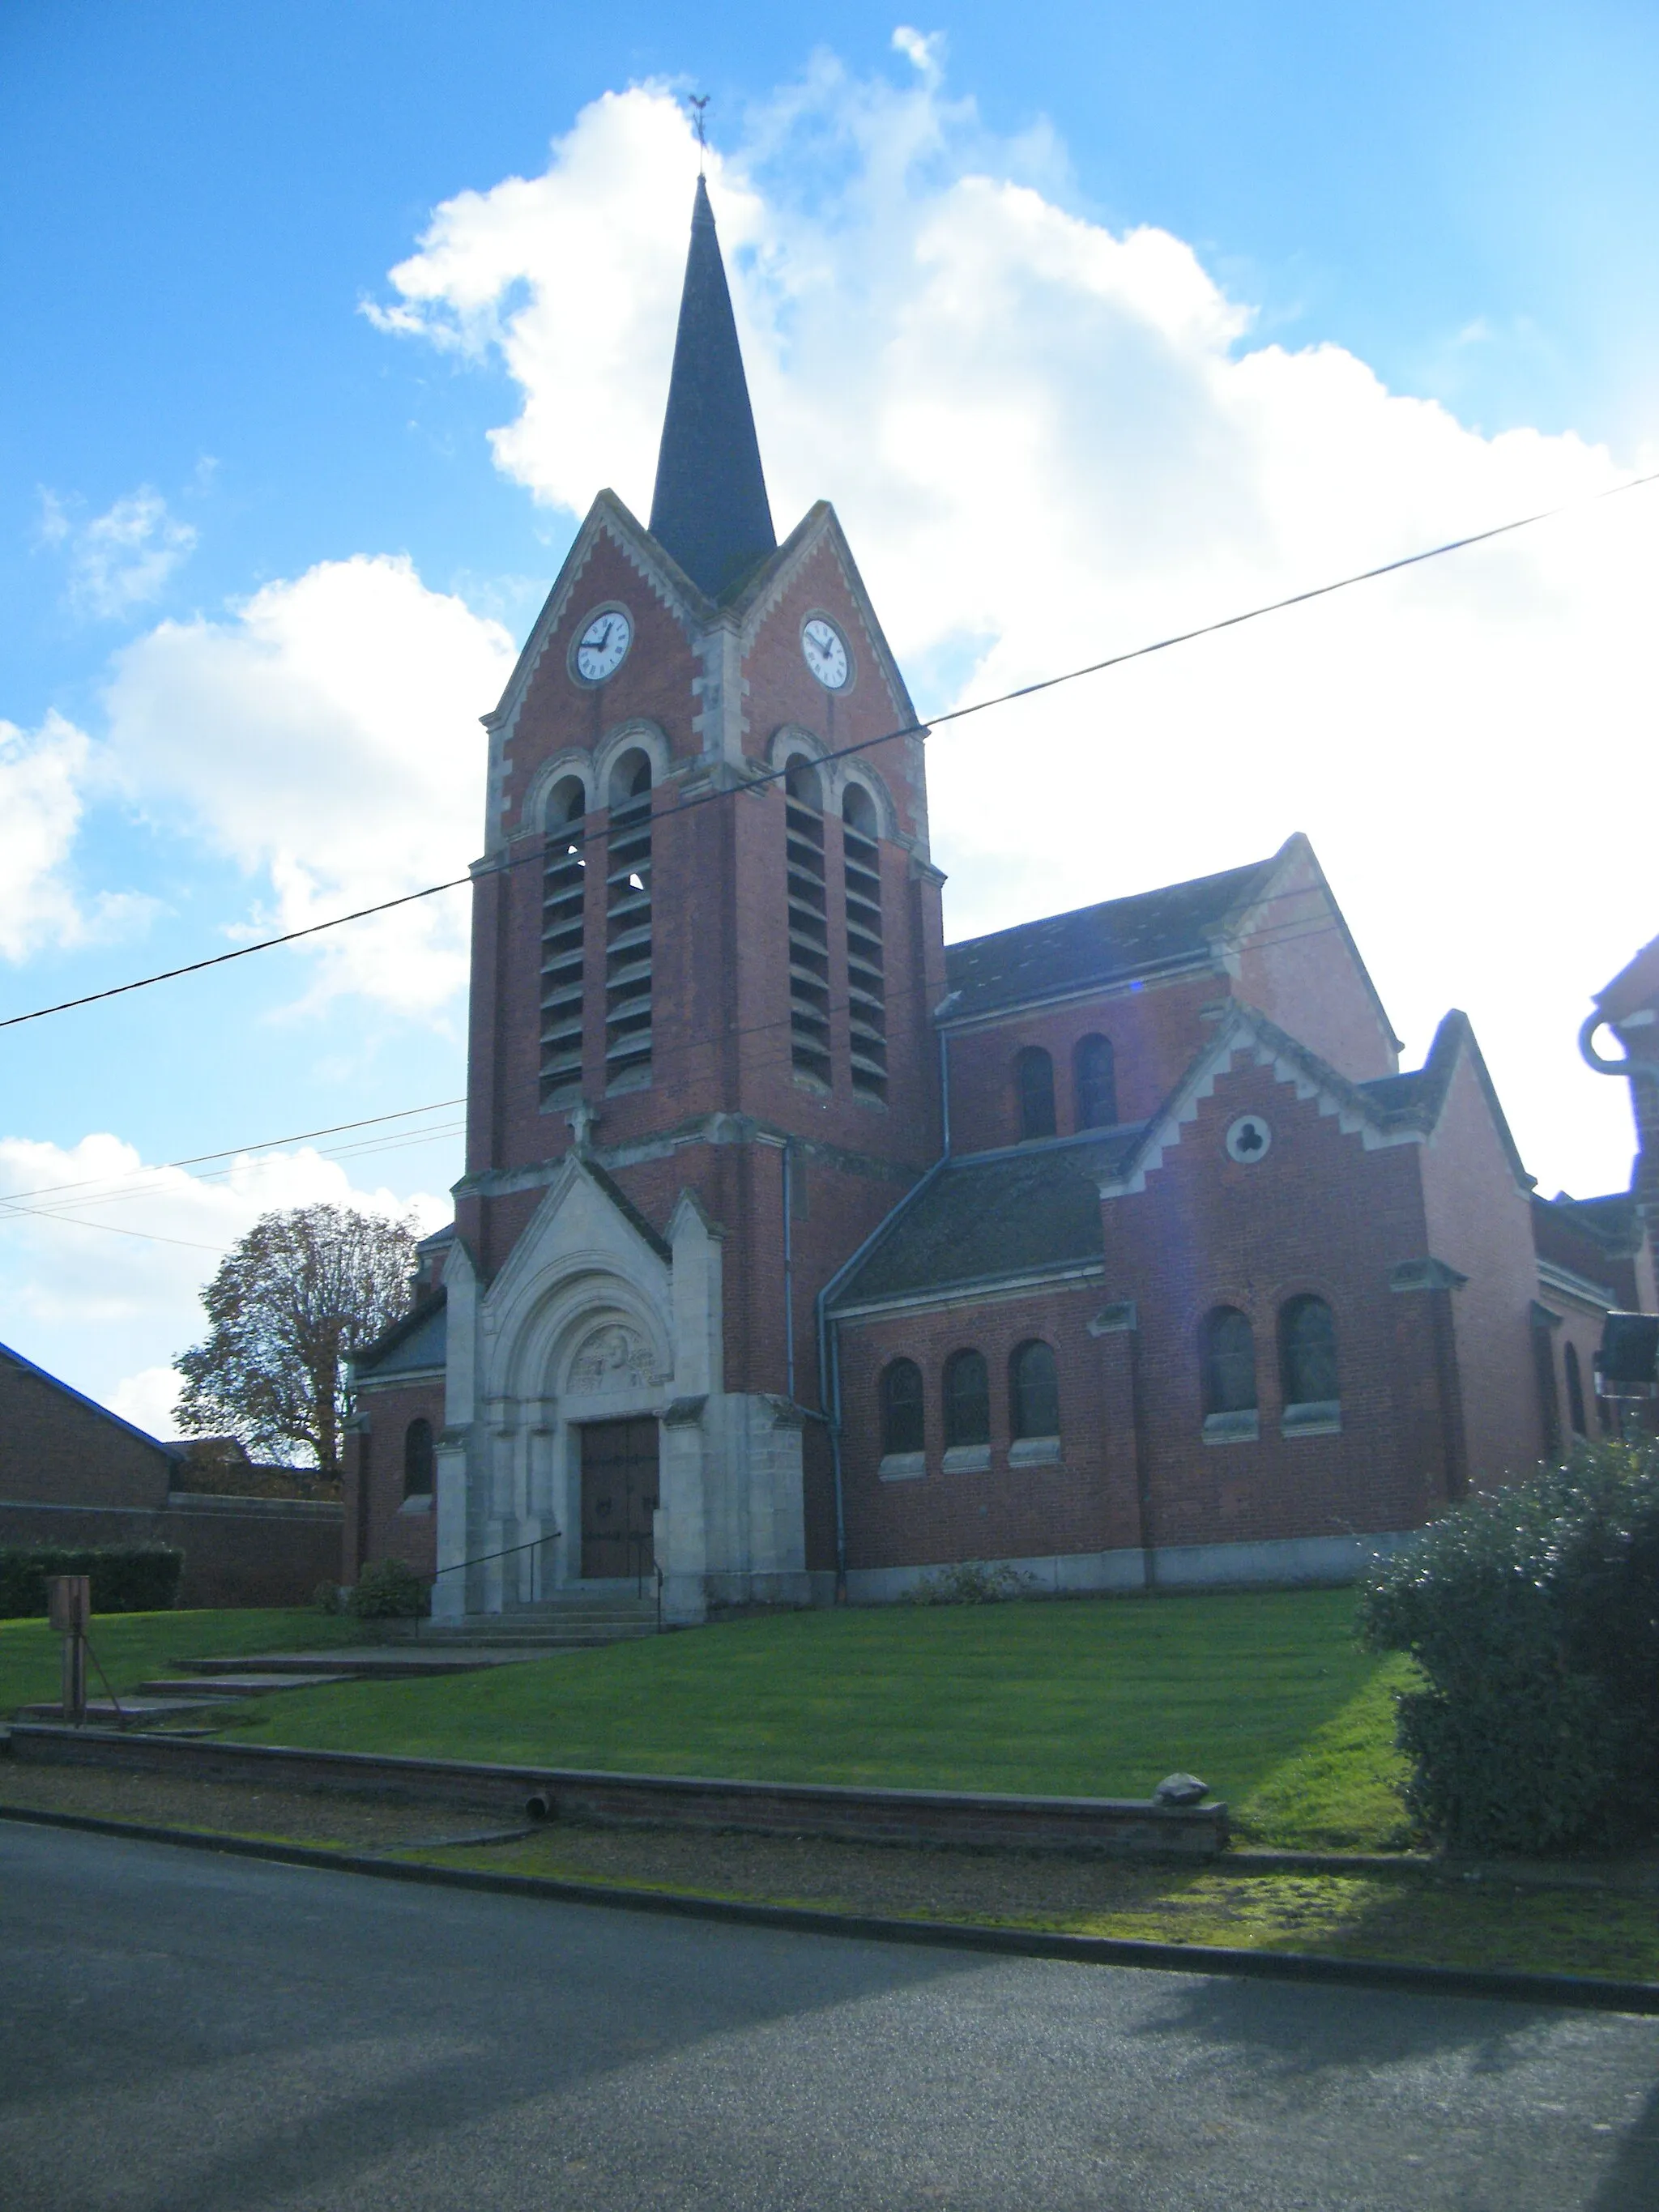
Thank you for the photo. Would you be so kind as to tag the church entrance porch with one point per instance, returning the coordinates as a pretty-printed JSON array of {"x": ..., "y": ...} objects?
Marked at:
[{"x": 619, "y": 1496}]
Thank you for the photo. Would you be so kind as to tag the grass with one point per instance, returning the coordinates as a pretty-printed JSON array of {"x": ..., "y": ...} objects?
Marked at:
[
  {"x": 1264, "y": 1695},
  {"x": 136, "y": 1647}
]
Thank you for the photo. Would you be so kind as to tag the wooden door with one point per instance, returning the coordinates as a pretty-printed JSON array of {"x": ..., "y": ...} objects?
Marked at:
[{"x": 619, "y": 1495}]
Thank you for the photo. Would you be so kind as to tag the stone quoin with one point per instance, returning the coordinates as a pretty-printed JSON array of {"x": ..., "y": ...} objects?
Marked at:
[{"x": 800, "y": 1254}]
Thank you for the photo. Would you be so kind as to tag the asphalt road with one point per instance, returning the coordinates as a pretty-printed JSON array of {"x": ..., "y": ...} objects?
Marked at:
[{"x": 179, "y": 2031}]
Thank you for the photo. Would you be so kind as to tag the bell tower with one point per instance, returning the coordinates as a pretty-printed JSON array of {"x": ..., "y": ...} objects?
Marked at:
[{"x": 707, "y": 945}]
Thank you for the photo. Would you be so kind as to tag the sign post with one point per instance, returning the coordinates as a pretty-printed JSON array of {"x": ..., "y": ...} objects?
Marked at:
[{"x": 69, "y": 1609}]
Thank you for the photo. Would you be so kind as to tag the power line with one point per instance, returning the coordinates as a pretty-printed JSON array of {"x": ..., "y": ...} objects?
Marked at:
[
  {"x": 908, "y": 730},
  {"x": 232, "y": 1152},
  {"x": 100, "y": 1191}
]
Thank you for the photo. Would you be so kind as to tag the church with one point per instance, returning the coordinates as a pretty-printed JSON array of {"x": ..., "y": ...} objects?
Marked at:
[{"x": 800, "y": 1253}]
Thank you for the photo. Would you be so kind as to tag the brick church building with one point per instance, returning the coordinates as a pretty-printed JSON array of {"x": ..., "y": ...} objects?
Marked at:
[{"x": 799, "y": 1252}]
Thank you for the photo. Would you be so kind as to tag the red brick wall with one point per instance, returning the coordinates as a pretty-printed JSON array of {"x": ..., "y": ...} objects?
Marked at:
[
  {"x": 1318, "y": 1213},
  {"x": 1155, "y": 1034},
  {"x": 375, "y": 1527},
  {"x": 1085, "y": 1503},
  {"x": 58, "y": 1450},
  {"x": 237, "y": 1551},
  {"x": 1298, "y": 967},
  {"x": 1480, "y": 1221}
]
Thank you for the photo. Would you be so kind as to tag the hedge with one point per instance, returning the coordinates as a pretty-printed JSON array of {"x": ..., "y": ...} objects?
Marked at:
[
  {"x": 1533, "y": 1615},
  {"x": 125, "y": 1578}
]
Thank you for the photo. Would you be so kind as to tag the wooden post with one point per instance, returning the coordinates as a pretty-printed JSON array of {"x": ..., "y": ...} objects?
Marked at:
[{"x": 69, "y": 1609}]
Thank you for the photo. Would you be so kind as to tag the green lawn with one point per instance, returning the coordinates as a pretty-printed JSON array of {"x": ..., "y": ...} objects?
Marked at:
[
  {"x": 136, "y": 1646},
  {"x": 1263, "y": 1694}
]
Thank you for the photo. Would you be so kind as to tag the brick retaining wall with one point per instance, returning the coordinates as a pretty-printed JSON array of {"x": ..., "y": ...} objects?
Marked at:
[{"x": 1115, "y": 1827}]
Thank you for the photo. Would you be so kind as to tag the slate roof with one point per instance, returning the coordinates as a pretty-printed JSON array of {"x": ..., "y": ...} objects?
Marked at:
[
  {"x": 1098, "y": 945},
  {"x": 415, "y": 1343},
  {"x": 709, "y": 509},
  {"x": 1613, "y": 1221},
  {"x": 993, "y": 1215}
]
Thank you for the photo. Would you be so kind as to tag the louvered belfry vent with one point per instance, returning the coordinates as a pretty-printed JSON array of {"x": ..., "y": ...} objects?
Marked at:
[
  {"x": 627, "y": 936},
  {"x": 866, "y": 977},
  {"x": 809, "y": 927},
  {"x": 564, "y": 897}
]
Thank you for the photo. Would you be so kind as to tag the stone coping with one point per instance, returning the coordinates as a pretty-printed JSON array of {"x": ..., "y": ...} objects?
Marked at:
[{"x": 1129, "y": 1828}]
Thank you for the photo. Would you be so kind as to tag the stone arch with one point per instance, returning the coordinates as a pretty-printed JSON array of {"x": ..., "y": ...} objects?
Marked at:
[
  {"x": 635, "y": 736},
  {"x": 542, "y": 1346},
  {"x": 550, "y": 782},
  {"x": 859, "y": 775}
]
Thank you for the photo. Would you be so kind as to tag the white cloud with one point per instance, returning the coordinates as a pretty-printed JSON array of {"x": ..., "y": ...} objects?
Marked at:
[
  {"x": 121, "y": 559},
  {"x": 325, "y": 738},
  {"x": 107, "y": 1307},
  {"x": 1049, "y": 442},
  {"x": 45, "y": 777},
  {"x": 148, "y": 1400}
]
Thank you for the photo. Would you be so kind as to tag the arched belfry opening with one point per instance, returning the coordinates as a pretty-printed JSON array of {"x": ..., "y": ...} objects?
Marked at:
[{"x": 628, "y": 925}]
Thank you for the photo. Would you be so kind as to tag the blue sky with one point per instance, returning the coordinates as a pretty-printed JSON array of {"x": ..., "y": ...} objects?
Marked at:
[{"x": 1458, "y": 204}]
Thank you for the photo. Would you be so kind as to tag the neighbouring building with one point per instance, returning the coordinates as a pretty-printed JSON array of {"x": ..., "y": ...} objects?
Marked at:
[
  {"x": 73, "y": 1473},
  {"x": 797, "y": 1249}
]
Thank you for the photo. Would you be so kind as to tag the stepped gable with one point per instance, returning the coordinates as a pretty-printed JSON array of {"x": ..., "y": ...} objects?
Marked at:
[
  {"x": 1098, "y": 945},
  {"x": 996, "y": 1215}
]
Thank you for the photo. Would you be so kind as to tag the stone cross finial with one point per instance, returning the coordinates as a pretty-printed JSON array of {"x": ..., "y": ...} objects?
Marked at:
[{"x": 581, "y": 1118}]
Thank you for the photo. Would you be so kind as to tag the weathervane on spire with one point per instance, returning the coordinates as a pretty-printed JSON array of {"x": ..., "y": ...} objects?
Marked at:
[{"x": 697, "y": 106}]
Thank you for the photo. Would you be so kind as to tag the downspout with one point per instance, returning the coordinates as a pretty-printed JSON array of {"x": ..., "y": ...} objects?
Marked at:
[
  {"x": 786, "y": 1157},
  {"x": 1603, "y": 1066},
  {"x": 828, "y": 1333}
]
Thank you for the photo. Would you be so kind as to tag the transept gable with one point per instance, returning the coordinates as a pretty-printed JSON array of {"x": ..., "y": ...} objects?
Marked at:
[{"x": 1392, "y": 1110}]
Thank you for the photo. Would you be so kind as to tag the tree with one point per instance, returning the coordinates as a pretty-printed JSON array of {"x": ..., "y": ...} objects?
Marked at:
[{"x": 288, "y": 1303}]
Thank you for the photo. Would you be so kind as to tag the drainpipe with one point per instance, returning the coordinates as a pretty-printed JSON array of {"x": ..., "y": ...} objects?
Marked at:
[
  {"x": 1603, "y": 1066},
  {"x": 828, "y": 1333},
  {"x": 787, "y": 1158}
]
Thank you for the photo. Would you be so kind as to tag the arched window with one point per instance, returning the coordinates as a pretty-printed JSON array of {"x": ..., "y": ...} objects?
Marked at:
[
  {"x": 967, "y": 1400},
  {"x": 1575, "y": 1392},
  {"x": 1034, "y": 1079},
  {"x": 902, "y": 1424},
  {"x": 417, "y": 1459},
  {"x": 1229, "y": 1362},
  {"x": 1307, "y": 1353},
  {"x": 1033, "y": 1390},
  {"x": 1094, "y": 1081}
]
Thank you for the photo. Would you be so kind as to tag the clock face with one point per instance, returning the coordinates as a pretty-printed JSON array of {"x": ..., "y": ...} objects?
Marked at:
[
  {"x": 826, "y": 654},
  {"x": 602, "y": 645}
]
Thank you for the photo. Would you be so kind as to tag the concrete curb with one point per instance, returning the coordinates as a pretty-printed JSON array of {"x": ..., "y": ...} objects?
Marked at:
[{"x": 1581, "y": 1991}]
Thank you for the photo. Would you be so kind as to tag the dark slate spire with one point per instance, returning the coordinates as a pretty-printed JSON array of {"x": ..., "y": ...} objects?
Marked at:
[{"x": 709, "y": 509}]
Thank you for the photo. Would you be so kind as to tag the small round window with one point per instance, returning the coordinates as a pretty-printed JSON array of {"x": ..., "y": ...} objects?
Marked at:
[{"x": 1248, "y": 1138}]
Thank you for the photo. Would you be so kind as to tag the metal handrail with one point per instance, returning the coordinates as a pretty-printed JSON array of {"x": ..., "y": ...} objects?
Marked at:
[{"x": 484, "y": 1559}]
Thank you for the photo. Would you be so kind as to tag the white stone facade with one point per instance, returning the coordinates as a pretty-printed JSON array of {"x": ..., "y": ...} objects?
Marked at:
[{"x": 587, "y": 1322}]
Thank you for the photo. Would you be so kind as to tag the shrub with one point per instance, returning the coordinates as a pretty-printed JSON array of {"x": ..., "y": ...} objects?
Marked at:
[
  {"x": 328, "y": 1597},
  {"x": 971, "y": 1583},
  {"x": 388, "y": 1590},
  {"x": 1534, "y": 1614},
  {"x": 125, "y": 1578}
]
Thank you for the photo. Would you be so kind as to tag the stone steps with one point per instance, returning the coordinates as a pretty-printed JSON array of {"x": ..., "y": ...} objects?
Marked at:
[{"x": 242, "y": 1685}]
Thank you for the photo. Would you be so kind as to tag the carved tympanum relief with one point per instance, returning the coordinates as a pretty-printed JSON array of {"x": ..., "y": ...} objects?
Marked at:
[{"x": 613, "y": 1358}]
